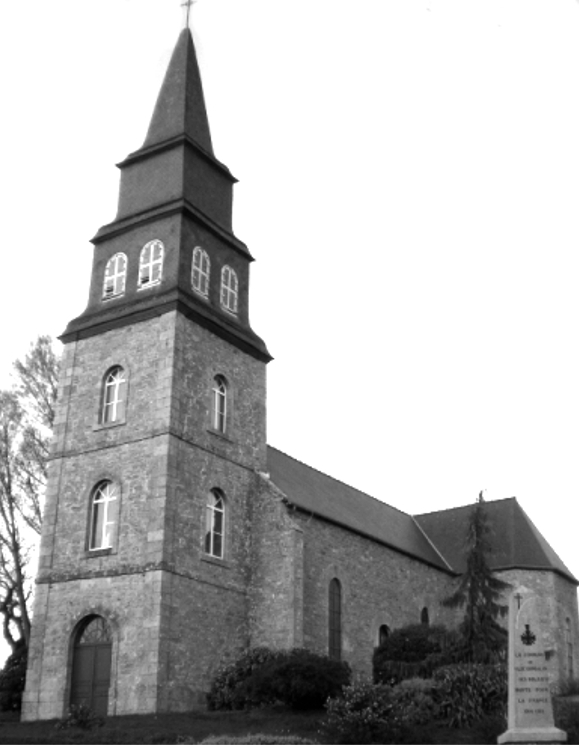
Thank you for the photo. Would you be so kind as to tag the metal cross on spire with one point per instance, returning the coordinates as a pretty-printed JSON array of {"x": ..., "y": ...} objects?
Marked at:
[{"x": 188, "y": 4}]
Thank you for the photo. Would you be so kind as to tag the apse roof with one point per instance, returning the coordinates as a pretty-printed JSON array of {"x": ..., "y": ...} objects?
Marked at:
[
  {"x": 315, "y": 492},
  {"x": 516, "y": 542}
]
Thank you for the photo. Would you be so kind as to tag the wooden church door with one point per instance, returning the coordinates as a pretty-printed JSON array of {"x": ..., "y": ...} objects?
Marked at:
[{"x": 91, "y": 666}]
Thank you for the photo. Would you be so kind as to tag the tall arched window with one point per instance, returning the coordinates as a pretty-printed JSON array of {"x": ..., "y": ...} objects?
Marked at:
[
  {"x": 229, "y": 289},
  {"x": 200, "y": 271},
  {"x": 219, "y": 404},
  {"x": 114, "y": 396},
  {"x": 115, "y": 276},
  {"x": 214, "y": 524},
  {"x": 424, "y": 617},
  {"x": 569, "y": 648},
  {"x": 151, "y": 264},
  {"x": 335, "y": 621},
  {"x": 383, "y": 633},
  {"x": 91, "y": 665},
  {"x": 104, "y": 516}
]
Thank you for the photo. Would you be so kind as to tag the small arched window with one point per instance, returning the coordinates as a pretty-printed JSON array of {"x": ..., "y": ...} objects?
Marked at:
[
  {"x": 104, "y": 516},
  {"x": 200, "y": 271},
  {"x": 335, "y": 621},
  {"x": 424, "y": 617},
  {"x": 115, "y": 276},
  {"x": 214, "y": 524},
  {"x": 219, "y": 404},
  {"x": 383, "y": 634},
  {"x": 151, "y": 264},
  {"x": 229, "y": 289},
  {"x": 114, "y": 396}
]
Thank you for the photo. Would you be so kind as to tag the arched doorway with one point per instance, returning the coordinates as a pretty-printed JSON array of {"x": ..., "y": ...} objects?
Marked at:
[{"x": 91, "y": 665}]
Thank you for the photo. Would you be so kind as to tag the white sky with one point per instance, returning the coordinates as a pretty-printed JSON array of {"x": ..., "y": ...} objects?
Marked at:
[{"x": 409, "y": 183}]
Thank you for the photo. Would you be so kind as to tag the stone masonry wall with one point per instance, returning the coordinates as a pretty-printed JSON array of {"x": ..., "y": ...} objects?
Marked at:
[
  {"x": 379, "y": 586},
  {"x": 276, "y": 590}
]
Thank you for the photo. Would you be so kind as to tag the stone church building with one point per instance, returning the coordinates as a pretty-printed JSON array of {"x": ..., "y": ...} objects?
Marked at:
[{"x": 174, "y": 537}]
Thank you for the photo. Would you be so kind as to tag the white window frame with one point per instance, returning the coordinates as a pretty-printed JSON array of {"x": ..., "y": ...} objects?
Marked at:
[
  {"x": 200, "y": 270},
  {"x": 114, "y": 396},
  {"x": 219, "y": 404},
  {"x": 215, "y": 525},
  {"x": 151, "y": 264},
  {"x": 104, "y": 513},
  {"x": 115, "y": 276},
  {"x": 229, "y": 289}
]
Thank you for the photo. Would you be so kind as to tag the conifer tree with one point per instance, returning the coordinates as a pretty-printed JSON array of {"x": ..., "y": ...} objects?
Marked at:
[{"x": 480, "y": 593}]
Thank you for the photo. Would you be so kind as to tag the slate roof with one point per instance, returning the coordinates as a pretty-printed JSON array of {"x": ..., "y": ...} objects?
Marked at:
[
  {"x": 314, "y": 492},
  {"x": 436, "y": 538},
  {"x": 517, "y": 543}
]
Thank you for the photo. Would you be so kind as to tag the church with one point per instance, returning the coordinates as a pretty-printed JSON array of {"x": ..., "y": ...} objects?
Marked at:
[{"x": 174, "y": 538}]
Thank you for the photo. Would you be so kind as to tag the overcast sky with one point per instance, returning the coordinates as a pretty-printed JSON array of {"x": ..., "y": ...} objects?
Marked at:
[{"x": 409, "y": 188}]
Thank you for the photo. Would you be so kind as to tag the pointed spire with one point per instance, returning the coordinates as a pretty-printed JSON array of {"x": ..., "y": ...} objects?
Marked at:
[{"x": 180, "y": 107}]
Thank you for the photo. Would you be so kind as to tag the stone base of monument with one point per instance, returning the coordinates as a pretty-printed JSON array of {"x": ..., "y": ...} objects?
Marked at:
[{"x": 533, "y": 734}]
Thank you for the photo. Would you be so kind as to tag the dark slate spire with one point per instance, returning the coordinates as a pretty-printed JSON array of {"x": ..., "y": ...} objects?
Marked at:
[{"x": 180, "y": 107}]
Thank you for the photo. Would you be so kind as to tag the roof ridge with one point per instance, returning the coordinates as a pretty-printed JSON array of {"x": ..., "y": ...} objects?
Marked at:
[
  {"x": 468, "y": 506},
  {"x": 339, "y": 481}
]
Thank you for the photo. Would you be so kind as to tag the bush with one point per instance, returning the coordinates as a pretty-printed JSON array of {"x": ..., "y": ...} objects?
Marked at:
[
  {"x": 413, "y": 702},
  {"x": 410, "y": 652},
  {"x": 257, "y": 739},
  {"x": 81, "y": 716},
  {"x": 466, "y": 693},
  {"x": 13, "y": 678},
  {"x": 297, "y": 678},
  {"x": 362, "y": 713},
  {"x": 227, "y": 689}
]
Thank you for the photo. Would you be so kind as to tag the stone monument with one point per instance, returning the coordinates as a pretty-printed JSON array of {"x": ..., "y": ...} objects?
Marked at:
[{"x": 530, "y": 707}]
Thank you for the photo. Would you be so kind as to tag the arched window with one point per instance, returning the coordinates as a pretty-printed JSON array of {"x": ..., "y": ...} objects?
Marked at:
[
  {"x": 229, "y": 289},
  {"x": 219, "y": 404},
  {"x": 214, "y": 524},
  {"x": 424, "y": 618},
  {"x": 91, "y": 665},
  {"x": 104, "y": 516},
  {"x": 151, "y": 264},
  {"x": 115, "y": 276},
  {"x": 383, "y": 633},
  {"x": 335, "y": 621},
  {"x": 114, "y": 396},
  {"x": 200, "y": 271},
  {"x": 569, "y": 648}
]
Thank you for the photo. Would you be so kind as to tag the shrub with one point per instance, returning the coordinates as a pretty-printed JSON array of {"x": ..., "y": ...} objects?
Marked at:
[
  {"x": 12, "y": 679},
  {"x": 362, "y": 713},
  {"x": 81, "y": 716},
  {"x": 257, "y": 739},
  {"x": 410, "y": 652},
  {"x": 297, "y": 678},
  {"x": 466, "y": 693},
  {"x": 227, "y": 689},
  {"x": 413, "y": 702}
]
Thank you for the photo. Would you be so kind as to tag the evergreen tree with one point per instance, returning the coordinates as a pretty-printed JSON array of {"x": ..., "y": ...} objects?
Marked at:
[{"x": 480, "y": 593}]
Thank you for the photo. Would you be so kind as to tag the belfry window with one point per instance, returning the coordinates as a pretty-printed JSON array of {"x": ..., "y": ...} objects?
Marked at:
[
  {"x": 383, "y": 633},
  {"x": 200, "y": 271},
  {"x": 219, "y": 404},
  {"x": 151, "y": 264},
  {"x": 104, "y": 516},
  {"x": 229, "y": 289},
  {"x": 114, "y": 396},
  {"x": 214, "y": 524},
  {"x": 115, "y": 276},
  {"x": 335, "y": 621}
]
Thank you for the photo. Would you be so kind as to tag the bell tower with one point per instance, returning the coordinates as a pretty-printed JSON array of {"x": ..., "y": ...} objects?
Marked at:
[{"x": 143, "y": 573}]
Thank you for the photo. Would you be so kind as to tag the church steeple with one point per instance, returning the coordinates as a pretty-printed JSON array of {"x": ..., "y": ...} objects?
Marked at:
[
  {"x": 174, "y": 194},
  {"x": 180, "y": 108}
]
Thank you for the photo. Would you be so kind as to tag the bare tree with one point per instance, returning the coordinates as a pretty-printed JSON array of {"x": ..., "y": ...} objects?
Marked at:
[{"x": 26, "y": 418}]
